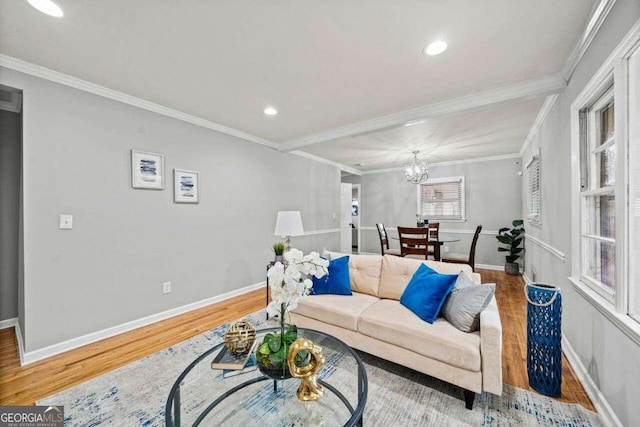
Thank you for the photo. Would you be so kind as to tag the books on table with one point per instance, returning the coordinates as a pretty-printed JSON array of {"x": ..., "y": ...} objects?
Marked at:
[
  {"x": 250, "y": 366},
  {"x": 234, "y": 364}
]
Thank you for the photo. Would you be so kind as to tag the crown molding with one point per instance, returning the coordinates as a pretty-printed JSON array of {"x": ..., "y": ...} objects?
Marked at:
[
  {"x": 515, "y": 92},
  {"x": 328, "y": 162},
  {"x": 83, "y": 85},
  {"x": 598, "y": 16},
  {"x": 540, "y": 118},
  {"x": 449, "y": 163}
]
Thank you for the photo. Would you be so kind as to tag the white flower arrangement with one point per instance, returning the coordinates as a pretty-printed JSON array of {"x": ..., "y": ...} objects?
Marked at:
[{"x": 291, "y": 282}]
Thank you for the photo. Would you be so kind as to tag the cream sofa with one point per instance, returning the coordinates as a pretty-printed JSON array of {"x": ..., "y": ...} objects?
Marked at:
[{"x": 374, "y": 321}]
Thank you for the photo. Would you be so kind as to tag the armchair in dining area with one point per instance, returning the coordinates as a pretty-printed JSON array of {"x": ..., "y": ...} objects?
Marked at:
[
  {"x": 420, "y": 242},
  {"x": 384, "y": 242},
  {"x": 469, "y": 259}
]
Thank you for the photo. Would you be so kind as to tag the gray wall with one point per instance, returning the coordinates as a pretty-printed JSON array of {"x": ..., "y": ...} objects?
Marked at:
[
  {"x": 493, "y": 199},
  {"x": 10, "y": 152},
  {"x": 125, "y": 242},
  {"x": 611, "y": 358}
]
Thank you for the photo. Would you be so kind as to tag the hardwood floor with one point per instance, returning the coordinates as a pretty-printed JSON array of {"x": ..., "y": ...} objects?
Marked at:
[
  {"x": 24, "y": 385},
  {"x": 512, "y": 305}
]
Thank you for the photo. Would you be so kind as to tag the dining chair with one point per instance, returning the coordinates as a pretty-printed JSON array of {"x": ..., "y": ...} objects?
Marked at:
[
  {"x": 384, "y": 242},
  {"x": 434, "y": 236},
  {"x": 415, "y": 243},
  {"x": 462, "y": 258}
]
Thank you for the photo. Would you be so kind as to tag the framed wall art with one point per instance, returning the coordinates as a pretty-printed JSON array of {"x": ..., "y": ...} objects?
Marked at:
[
  {"x": 147, "y": 170},
  {"x": 186, "y": 186}
]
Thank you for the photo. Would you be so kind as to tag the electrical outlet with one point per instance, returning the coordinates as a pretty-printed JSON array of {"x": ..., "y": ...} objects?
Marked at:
[
  {"x": 446, "y": 248},
  {"x": 166, "y": 287}
]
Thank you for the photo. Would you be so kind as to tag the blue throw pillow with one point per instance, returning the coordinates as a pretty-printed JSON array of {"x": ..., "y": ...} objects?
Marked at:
[
  {"x": 426, "y": 292},
  {"x": 337, "y": 281}
]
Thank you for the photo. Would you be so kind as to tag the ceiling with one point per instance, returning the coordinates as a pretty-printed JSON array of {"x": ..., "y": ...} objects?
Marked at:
[{"x": 325, "y": 65}]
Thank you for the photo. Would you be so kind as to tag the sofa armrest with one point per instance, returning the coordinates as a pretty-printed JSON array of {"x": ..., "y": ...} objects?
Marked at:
[{"x": 491, "y": 348}]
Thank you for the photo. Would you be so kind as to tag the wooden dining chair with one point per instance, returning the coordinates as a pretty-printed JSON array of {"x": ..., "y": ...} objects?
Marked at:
[
  {"x": 463, "y": 258},
  {"x": 384, "y": 242},
  {"x": 415, "y": 243},
  {"x": 434, "y": 236}
]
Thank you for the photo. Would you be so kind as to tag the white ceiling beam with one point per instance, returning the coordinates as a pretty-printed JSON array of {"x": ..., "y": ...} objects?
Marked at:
[
  {"x": 512, "y": 93},
  {"x": 340, "y": 166}
]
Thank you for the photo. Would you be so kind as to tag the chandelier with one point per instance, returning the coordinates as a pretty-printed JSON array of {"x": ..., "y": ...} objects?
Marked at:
[{"x": 416, "y": 171}]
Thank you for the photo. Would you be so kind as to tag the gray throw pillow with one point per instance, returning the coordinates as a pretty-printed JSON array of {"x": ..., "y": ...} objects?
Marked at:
[{"x": 465, "y": 302}]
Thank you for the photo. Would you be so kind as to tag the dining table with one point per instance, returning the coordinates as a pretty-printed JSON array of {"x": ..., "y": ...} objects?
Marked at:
[{"x": 442, "y": 239}]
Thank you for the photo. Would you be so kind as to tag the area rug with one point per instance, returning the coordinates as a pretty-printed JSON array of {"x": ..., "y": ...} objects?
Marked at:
[{"x": 135, "y": 395}]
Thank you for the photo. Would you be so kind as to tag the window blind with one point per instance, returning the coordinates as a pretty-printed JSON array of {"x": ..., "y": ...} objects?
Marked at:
[
  {"x": 442, "y": 200},
  {"x": 533, "y": 174}
]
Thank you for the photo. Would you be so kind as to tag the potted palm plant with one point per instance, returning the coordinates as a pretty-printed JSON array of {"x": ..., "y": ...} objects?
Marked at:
[{"x": 511, "y": 238}]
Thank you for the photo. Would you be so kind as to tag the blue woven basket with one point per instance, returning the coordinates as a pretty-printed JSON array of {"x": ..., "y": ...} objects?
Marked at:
[{"x": 544, "y": 349}]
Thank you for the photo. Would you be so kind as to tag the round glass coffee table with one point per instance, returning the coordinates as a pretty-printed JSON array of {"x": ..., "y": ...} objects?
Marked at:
[{"x": 202, "y": 396}]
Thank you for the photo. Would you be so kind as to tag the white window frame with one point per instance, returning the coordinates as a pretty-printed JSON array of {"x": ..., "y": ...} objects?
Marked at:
[
  {"x": 447, "y": 180},
  {"x": 613, "y": 71},
  {"x": 590, "y": 136},
  {"x": 534, "y": 166}
]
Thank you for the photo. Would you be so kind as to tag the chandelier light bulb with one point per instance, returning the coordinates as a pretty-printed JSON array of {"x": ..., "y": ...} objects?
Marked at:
[{"x": 416, "y": 171}]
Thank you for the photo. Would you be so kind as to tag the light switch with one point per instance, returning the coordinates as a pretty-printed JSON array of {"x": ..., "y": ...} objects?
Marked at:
[{"x": 66, "y": 222}]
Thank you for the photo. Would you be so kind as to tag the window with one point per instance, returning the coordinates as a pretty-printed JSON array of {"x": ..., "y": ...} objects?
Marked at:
[
  {"x": 442, "y": 199},
  {"x": 606, "y": 188},
  {"x": 634, "y": 186},
  {"x": 598, "y": 195},
  {"x": 533, "y": 191}
]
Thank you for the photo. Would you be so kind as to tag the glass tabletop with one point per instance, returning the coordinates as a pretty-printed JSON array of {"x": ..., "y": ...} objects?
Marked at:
[{"x": 202, "y": 396}]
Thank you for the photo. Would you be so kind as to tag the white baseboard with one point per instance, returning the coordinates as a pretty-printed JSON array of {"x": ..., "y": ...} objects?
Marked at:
[
  {"x": 8, "y": 323},
  {"x": 52, "y": 350},
  {"x": 490, "y": 267},
  {"x": 609, "y": 418}
]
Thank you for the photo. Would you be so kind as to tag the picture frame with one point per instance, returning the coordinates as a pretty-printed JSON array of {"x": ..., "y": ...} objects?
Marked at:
[
  {"x": 147, "y": 170},
  {"x": 186, "y": 186}
]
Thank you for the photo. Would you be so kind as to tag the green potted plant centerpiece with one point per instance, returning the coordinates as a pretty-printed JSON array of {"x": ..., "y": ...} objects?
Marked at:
[
  {"x": 289, "y": 282},
  {"x": 278, "y": 250},
  {"x": 511, "y": 238}
]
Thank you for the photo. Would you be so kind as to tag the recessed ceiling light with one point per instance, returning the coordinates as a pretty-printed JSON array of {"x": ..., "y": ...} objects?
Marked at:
[
  {"x": 270, "y": 111},
  {"x": 359, "y": 165},
  {"x": 435, "y": 48},
  {"x": 48, "y": 7}
]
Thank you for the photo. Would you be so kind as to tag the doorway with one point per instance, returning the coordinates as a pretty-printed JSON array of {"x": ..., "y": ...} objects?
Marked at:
[
  {"x": 10, "y": 202},
  {"x": 356, "y": 215},
  {"x": 346, "y": 222}
]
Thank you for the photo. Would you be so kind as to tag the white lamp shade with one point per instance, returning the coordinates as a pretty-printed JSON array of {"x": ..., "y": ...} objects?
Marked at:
[{"x": 289, "y": 223}]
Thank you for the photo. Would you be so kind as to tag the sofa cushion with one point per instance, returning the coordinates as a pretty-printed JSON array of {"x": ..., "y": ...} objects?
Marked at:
[
  {"x": 426, "y": 292},
  {"x": 397, "y": 271},
  {"x": 465, "y": 302},
  {"x": 391, "y": 322},
  {"x": 365, "y": 273},
  {"x": 338, "y": 310},
  {"x": 337, "y": 280}
]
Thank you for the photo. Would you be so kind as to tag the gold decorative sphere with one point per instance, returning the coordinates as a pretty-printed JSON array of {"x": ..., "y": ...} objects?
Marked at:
[{"x": 239, "y": 337}]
